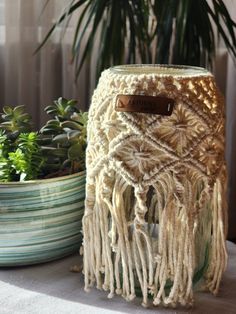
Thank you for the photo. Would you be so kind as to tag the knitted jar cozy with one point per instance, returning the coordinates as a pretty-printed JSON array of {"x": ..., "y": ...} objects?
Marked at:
[{"x": 155, "y": 213}]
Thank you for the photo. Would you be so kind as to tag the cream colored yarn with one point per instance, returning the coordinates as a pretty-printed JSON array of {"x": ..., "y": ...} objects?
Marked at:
[{"x": 155, "y": 214}]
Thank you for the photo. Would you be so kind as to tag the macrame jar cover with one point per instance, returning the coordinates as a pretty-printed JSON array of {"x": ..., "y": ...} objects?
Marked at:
[{"x": 155, "y": 213}]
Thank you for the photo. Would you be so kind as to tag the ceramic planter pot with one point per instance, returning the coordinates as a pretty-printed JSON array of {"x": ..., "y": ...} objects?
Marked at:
[{"x": 40, "y": 220}]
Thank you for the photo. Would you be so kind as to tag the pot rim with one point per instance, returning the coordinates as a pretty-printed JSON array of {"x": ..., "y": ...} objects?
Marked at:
[
  {"x": 41, "y": 181},
  {"x": 161, "y": 70}
]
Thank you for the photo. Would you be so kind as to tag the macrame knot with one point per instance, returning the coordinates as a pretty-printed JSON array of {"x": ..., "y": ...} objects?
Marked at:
[{"x": 155, "y": 216}]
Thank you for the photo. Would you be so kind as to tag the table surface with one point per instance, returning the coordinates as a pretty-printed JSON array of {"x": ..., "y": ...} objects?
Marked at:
[{"x": 52, "y": 288}]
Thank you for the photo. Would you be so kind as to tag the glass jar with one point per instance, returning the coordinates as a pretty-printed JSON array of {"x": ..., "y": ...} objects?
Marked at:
[{"x": 155, "y": 211}]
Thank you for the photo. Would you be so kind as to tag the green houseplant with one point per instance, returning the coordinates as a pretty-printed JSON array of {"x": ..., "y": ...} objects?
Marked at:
[
  {"x": 159, "y": 31},
  {"x": 42, "y": 184}
]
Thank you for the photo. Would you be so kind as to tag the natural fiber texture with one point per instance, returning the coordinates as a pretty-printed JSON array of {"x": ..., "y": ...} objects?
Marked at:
[{"x": 155, "y": 215}]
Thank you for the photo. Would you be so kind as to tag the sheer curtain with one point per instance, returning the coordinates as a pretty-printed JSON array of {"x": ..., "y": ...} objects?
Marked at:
[{"x": 35, "y": 80}]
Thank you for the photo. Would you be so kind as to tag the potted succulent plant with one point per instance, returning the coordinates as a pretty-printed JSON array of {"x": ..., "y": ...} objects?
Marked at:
[{"x": 42, "y": 184}]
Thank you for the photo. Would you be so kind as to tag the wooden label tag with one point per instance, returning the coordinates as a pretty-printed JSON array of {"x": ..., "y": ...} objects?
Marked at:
[{"x": 145, "y": 104}]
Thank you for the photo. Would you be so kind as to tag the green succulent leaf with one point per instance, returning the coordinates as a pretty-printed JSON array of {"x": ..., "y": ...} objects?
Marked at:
[
  {"x": 15, "y": 119},
  {"x": 71, "y": 125},
  {"x": 61, "y": 138},
  {"x": 74, "y": 135},
  {"x": 53, "y": 123},
  {"x": 81, "y": 117},
  {"x": 27, "y": 160},
  {"x": 59, "y": 152},
  {"x": 7, "y": 110},
  {"x": 75, "y": 151},
  {"x": 50, "y": 109},
  {"x": 19, "y": 110}
]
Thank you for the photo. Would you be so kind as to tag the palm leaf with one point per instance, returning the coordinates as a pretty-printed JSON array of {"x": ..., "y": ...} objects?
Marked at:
[
  {"x": 44, "y": 8},
  {"x": 76, "y": 6},
  {"x": 223, "y": 21},
  {"x": 182, "y": 31},
  {"x": 95, "y": 15},
  {"x": 67, "y": 18}
]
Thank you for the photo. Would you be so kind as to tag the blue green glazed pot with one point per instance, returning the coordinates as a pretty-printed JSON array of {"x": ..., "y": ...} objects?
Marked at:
[{"x": 41, "y": 220}]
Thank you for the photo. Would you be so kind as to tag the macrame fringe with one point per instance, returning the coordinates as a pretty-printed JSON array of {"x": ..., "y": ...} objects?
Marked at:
[{"x": 157, "y": 241}]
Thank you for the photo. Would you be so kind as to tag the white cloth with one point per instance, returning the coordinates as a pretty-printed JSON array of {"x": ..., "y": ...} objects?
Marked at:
[{"x": 52, "y": 289}]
